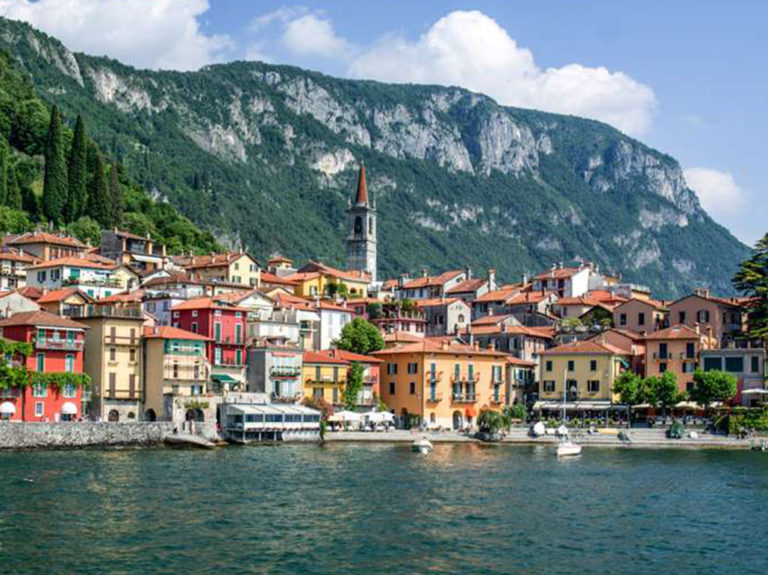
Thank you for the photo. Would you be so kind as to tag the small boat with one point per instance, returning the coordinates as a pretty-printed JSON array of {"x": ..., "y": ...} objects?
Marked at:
[
  {"x": 422, "y": 445},
  {"x": 568, "y": 449}
]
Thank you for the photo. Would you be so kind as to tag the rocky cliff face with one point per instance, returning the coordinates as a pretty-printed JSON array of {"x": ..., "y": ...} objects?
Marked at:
[{"x": 269, "y": 154}]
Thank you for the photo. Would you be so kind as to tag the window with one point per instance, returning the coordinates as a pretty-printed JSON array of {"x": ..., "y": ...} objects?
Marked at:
[
  {"x": 69, "y": 363},
  {"x": 662, "y": 367},
  {"x": 40, "y": 362},
  {"x": 112, "y": 385},
  {"x": 132, "y": 355},
  {"x": 711, "y": 363},
  {"x": 549, "y": 386},
  {"x": 688, "y": 367},
  {"x": 217, "y": 356},
  {"x": 593, "y": 385},
  {"x": 194, "y": 327},
  {"x": 39, "y": 390},
  {"x": 734, "y": 364},
  {"x": 413, "y": 388},
  {"x": 40, "y": 277},
  {"x": 317, "y": 393},
  {"x": 335, "y": 395},
  {"x": 239, "y": 333},
  {"x": 335, "y": 374},
  {"x": 681, "y": 317},
  {"x": 175, "y": 314},
  {"x": 755, "y": 364},
  {"x": 175, "y": 370},
  {"x": 70, "y": 390},
  {"x": 641, "y": 318},
  {"x": 413, "y": 367},
  {"x": 663, "y": 351},
  {"x": 391, "y": 369},
  {"x": 571, "y": 365},
  {"x": 622, "y": 319},
  {"x": 39, "y": 408},
  {"x": 690, "y": 350},
  {"x": 391, "y": 388},
  {"x": 702, "y": 316},
  {"x": 548, "y": 365},
  {"x": 112, "y": 354},
  {"x": 239, "y": 356},
  {"x": 217, "y": 331},
  {"x": 592, "y": 365},
  {"x": 194, "y": 313},
  {"x": 317, "y": 373}
]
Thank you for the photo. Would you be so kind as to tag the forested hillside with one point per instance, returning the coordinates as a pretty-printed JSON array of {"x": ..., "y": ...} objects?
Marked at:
[
  {"x": 54, "y": 174},
  {"x": 267, "y": 155}
]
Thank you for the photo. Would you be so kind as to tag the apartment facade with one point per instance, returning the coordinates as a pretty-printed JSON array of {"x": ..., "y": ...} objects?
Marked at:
[
  {"x": 676, "y": 349},
  {"x": 640, "y": 315}
]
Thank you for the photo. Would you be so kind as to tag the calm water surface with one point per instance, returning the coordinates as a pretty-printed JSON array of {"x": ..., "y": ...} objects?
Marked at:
[{"x": 380, "y": 508}]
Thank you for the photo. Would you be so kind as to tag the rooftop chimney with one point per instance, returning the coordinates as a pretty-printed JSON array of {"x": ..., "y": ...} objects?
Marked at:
[
  {"x": 424, "y": 272},
  {"x": 468, "y": 272},
  {"x": 491, "y": 279}
]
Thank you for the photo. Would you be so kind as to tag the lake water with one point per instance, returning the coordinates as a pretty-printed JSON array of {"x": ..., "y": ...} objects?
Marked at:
[{"x": 379, "y": 508}]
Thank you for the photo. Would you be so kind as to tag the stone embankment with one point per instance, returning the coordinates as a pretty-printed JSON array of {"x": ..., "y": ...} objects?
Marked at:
[
  {"x": 638, "y": 438},
  {"x": 82, "y": 434}
]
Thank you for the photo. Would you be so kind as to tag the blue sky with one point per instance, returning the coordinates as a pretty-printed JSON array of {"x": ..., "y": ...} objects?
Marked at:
[{"x": 686, "y": 77}]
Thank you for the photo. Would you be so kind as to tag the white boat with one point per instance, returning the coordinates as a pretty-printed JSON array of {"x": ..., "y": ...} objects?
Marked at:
[
  {"x": 568, "y": 449},
  {"x": 422, "y": 445}
]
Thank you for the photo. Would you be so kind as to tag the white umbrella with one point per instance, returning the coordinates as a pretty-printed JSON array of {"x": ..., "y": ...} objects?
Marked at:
[
  {"x": 7, "y": 408},
  {"x": 755, "y": 392},
  {"x": 69, "y": 408},
  {"x": 349, "y": 416}
]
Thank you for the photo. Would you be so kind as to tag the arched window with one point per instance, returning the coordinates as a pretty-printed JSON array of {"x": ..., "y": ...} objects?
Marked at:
[
  {"x": 358, "y": 226},
  {"x": 370, "y": 226},
  {"x": 461, "y": 318},
  {"x": 114, "y": 415}
]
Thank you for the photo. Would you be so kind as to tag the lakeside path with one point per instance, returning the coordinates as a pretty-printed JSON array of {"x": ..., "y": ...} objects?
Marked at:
[{"x": 639, "y": 439}]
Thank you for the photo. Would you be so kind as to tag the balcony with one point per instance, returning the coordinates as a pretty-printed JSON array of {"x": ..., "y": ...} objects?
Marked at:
[
  {"x": 463, "y": 398},
  {"x": 111, "y": 311},
  {"x": 228, "y": 363},
  {"x": 433, "y": 397},
  {"x": 96, "y": 282},
  {"x": 497, "y": 400},
  {"x": 60, "y": 344},
  {"x": 370, "y": 381},
  {"x": 288, "y": 371}
]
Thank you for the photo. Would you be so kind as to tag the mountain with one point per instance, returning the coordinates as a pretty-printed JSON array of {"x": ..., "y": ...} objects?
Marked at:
[{"x": 267, "y": 155}]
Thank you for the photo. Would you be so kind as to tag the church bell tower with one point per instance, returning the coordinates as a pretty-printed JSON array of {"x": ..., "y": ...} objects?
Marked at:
[{"x": 361, "y": 230}]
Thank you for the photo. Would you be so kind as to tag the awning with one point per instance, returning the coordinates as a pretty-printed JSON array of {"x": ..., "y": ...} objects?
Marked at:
[
  {"x": 574, "y": 405},
  {"x": 69, "y": 408},
  {"x": 755, "y": 392},
  {"x": 223, "y": 378},
  {"x": 470, "y": 412},
  {"x": 147, "y": 259},
  {"x": 7, "y": 408}
]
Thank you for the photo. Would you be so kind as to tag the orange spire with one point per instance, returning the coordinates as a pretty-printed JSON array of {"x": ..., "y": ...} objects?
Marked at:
[{"x": 362, "y": 188}]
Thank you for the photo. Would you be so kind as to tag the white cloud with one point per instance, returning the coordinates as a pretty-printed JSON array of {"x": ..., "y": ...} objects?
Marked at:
[
  {"x": 718, "y": 191},
  {"x": 146, "y": 33},
  {"x": 471, "y": 50},
  {"x": 311, "y": 34}
]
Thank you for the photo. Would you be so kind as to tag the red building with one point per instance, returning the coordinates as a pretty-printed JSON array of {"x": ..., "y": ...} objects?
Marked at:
[
  {"x": 57, "y": 348},
  {"x": 225, "y": 324}
]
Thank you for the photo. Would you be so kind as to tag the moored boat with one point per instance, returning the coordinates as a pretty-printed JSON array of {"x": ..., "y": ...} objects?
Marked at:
[{"x": 422, "y": 445}]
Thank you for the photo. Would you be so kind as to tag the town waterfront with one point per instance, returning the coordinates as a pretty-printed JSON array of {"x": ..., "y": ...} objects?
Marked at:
[{"x": 353, "y": 508}]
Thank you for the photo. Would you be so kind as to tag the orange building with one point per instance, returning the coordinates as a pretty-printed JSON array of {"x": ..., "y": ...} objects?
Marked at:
[{"x": 676, "y": 349}]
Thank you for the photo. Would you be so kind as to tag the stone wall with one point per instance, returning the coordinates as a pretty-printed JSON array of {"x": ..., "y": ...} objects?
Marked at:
[{"x": 82, "y": 434}]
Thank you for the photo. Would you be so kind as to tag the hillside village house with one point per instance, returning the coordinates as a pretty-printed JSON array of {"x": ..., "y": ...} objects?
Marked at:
[
  {"x": 640, "y": 315},
  {"x": 70, "y": 302},
  {"x": 275, "y": 367},
  {"x": 567, "y": 281},
  {"x": 305, "y": 313},
  {"x": 429, "y": 287},
  {"x": 394, "y": 319},
  {"x": 176, "y": 376},
  {"x": 139, "y": 252},
  {"x": 48, "y": 246},
  {"x": 521, "y": 381},
  {"x": 316, "y": 279},
  {"x": 13, "y": 268},
  {"x": 531, "y": 308},
  {"x": 95, "y": 278},
  {"x": 442, "y": 382},
  {"x": 676, "y": 349},
  {"x": 586, "y": 370},
  {"x": 57, "y": 348},
  {"x": 724, "y": 316},
  {"x": 230, "y": 267},
  {"x": 333, "y": 318},
  {"x": 113, "y": 359},
  {"x": 444, "y": 316},
  {"x": 224, "y": 324},
  {"x": 324, "y": 375},
  {"x": 14, "y": 302},
  {"x": 747, "y": 364},
  {"x": 472, "y": 288}
]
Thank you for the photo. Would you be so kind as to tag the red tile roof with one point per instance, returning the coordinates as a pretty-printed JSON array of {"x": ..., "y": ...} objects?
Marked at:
[
  {"x": 168, "y": 332},
  {"x": 327, "y": 356},
  {"x": 467, "y": 286},
  {"x": 430, "y": 281},
  {"x": 210, "y": 260},
  {"x": 313, "y": 267},
  {"x": 649, "y": 302},
  {"x": 588, "y": 347},
  {"x": 31, "y": 292},
  {"x": 59, "y": 295},
  {"x": 74, "y": 263},
  {"x": 41, "y": 318},
  {"x": 11, "y": 255},
  {"x": 270, "y": 278},
  {"x": 46, "y": 238},
  {"x": 501, "y": 294},
  {"x": 559, "y": 273},
  {"x": 136, "y": 296},
  {"x": 678, "y": 331},
  {"x": 436, "y": 301},
  {"x": 206, "y": 303},
  {"x": 402, "y": 336},
  {"x": 436, "y": 345}
]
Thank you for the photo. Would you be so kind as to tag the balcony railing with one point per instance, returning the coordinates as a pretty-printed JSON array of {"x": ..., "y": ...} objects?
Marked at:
[
  {"x": 228, "y": 363},
  {"x": 463, "y": 398},
  {"x": 60, "y": 344},
  {"x": 433, "y": 397},
  {"x": 370, "y": 380},
  {"x": 72, "y": 280},
  {"x": 285, "y": 371},
  {"x": 126, "y": 312}
]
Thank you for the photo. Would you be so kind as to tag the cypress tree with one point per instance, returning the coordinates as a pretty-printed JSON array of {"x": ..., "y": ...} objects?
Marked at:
[
  {"x": 99, "y": 207},
  {"x": 55, "y": 177},
  {"x": 4, "y": 168},
  {"x": 76, "y": 171},
  {"x": 13, "y": 199},
  {"x": 115, "y": 196}
]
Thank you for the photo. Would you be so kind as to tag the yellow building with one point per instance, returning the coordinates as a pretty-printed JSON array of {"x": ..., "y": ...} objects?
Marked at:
[
  {"x": 229, "y": 267},
  {"x": 324, "y": 375},
  {"x": 113, "y": 360},
  {"x": 318, "y": 279},
  {"x": 442, "y": 383},
  {"x": 175, "y": 376},
  {"x": 586, "y": 368}
]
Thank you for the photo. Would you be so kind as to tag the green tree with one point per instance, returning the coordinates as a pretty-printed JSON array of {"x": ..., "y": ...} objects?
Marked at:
[
  {"x": 663, "y": 390},
  {"x": 714, "y": 385},
  {"x": 13, "y": 200},
  {"x": 77, "y": 174},
  {"x": 115, "y": 196},
  {"x": 85, "y": 230},
  {"x": 375, "y": 310},
  {"x": 13, "y": 221},
  {"x": 5, "y": 168},
  {"x": 55, "y": 174},
  {"x": 353, "y": 386},
  {"x": 752, "y": 281},
  {"x": 360, "y": 336},
  {"x": 490, "y": 422},
  {"x": 630, "y": 388},
  {"x": 99, "y": 206}
]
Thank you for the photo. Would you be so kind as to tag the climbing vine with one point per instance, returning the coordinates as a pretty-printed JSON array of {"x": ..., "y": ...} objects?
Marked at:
[{"x": 18, "y": 376}]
